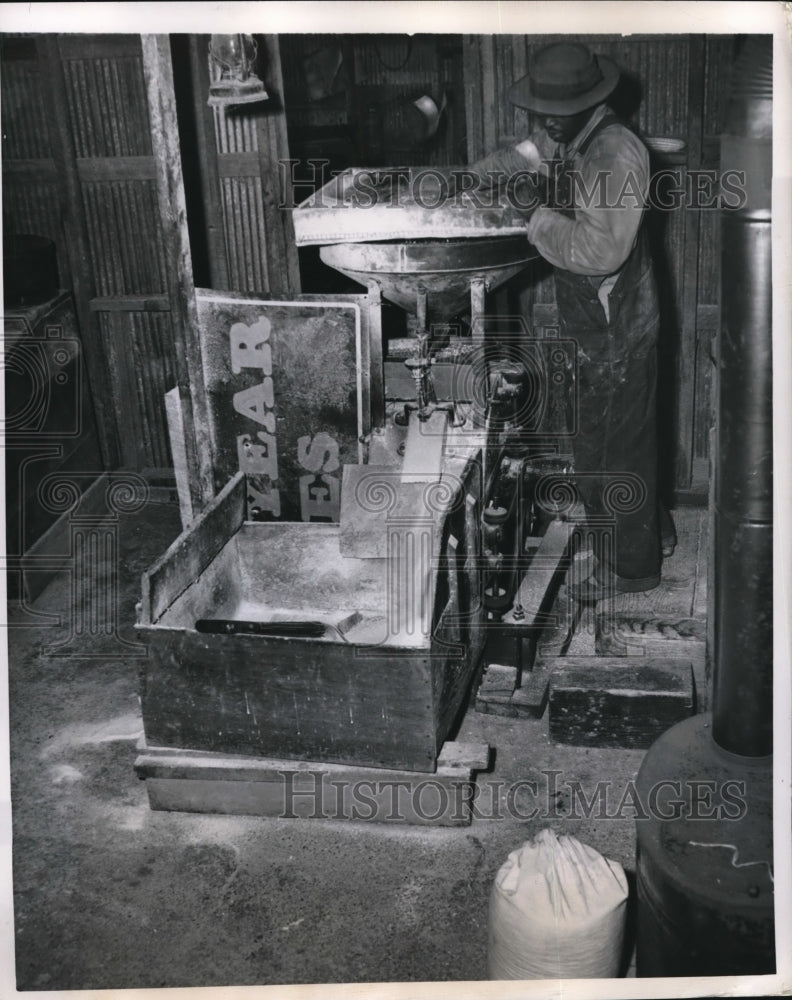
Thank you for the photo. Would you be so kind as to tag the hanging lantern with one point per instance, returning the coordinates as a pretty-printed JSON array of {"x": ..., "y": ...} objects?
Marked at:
[{"x": 234, "y": 57}]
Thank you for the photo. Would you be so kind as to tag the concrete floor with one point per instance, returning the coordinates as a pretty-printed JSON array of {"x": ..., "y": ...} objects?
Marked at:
[{"x": 109, "y": 894}]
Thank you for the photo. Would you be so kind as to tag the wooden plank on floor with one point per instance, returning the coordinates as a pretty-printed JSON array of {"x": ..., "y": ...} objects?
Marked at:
[
  {"x": 679, "y": 640},
  {"x": 471, "y": 756},
  {"x": 285, "y": 789},
  {"x": 531, "y": 698},
  {"x": 668, "y": 623}
]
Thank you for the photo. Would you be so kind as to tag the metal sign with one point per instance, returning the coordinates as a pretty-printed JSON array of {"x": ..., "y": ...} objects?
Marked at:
[{"x": 285, "y": 398}]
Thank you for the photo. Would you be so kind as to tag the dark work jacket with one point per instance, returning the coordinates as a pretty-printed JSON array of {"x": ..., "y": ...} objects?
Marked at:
[{"x": 632, "y": 327}]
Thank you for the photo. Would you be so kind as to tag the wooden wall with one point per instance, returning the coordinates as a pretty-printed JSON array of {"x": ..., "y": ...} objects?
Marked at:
[
  {"x": 671, "y": 87},
  {"x": 93, "y": 144},
  {"x": 79, "y": 167}
]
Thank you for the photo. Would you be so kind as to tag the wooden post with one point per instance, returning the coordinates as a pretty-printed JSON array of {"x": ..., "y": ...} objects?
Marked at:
[
  {"x": 158, "y": 72},
  {"x": 210, "y": 175},
  {"x": 688, "y": 334},
  {"x": 282, "y": 264},
  {"x": 471, "y": 58},
  {"x": 375, "y": 354}
]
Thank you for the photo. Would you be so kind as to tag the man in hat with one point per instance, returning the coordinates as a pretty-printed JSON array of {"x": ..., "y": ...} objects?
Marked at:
[{"x": 590, "y": 229}]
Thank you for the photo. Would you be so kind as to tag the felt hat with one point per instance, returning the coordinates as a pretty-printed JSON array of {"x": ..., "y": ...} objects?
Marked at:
[{"x": 563, "y": 79}]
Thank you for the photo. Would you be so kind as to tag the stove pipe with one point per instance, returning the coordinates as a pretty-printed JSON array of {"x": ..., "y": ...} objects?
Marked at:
[
  {"x": 743, "y": 490},
  {"x": 704, "y": 876}
]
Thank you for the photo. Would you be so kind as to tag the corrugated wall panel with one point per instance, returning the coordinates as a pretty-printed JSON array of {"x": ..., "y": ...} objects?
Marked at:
[
  {"x": 380, "y": 75},
  {"x": 656, "y": 70},
  {"x": 719, "y": 53},
  {"x": 243, "y": 213},
  {"x": 140, "y": 355},
  {"x": 32, "y": 207},
  {"x": 109, "y": 121},
  {"x": 245, "y": 194},
  {"x": 709, "y": 258},
  {"x": 704, "y": 418},
  {"x": 718, "y": 60},
  {"x": 519, "y": 123},
  {"x": 153, "y": 352},
  {"x": 242, "y": 205},
  {"x": 94, "y": 192},
  {"x": 718, "y": 56},
  {"x": 107, "y": 107},
  {"x": 124, "y": 237},
  {"x": 235, "y": 133},
  {"x": 25, "y": 127},
  {"x": 300, "y": 47},
  {"x": 30, "y": 188},
  {"x": 384, "y": 59}
]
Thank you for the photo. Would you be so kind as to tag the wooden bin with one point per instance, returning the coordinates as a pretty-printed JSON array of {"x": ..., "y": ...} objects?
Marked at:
[{"x": 376, "y": 690}]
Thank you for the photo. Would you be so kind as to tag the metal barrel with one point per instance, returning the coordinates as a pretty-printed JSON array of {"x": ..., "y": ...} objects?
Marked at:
[{"x": 705, "y": 887}]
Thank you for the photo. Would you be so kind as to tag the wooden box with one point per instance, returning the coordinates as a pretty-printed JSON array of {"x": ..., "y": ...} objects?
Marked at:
[
  {"x": 382, "y": 687},
  {"x": 600, "y": 701}
]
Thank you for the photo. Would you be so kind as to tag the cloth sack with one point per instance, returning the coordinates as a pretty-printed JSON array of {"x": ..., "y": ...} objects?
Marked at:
[{"x": 557, "y": 911}]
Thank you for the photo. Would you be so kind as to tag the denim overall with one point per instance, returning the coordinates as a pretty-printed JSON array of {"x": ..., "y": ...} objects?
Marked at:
[{"x": 615, "y": 447}]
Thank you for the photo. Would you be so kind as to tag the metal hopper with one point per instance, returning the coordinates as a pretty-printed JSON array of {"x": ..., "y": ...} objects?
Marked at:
[
  {"x": 395, "y": 228},
  {"x": 444, "y": 269}
]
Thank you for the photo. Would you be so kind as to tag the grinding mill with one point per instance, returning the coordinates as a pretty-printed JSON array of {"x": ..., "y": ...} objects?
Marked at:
[
  {"x": 348, "y": 635},
  {"x": 434, "y": 280},
  {"x": 373, "y": 226},
  {"x": 499, "y": 395}
]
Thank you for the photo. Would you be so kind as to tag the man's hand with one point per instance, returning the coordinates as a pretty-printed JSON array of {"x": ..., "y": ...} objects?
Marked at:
[
  {"x": 530, "y": 152},
  {"x": 528, "y": 194}
]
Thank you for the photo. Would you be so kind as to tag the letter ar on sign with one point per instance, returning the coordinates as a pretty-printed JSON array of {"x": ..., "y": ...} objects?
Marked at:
[
  {"x": 257, "y": 402},
  {"x": 250, "y": 346}
]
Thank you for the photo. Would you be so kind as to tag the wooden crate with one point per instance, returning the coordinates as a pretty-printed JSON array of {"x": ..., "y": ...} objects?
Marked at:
[
  {"x": 368, "y": 692},
  {"x": 600, "y": 701}
]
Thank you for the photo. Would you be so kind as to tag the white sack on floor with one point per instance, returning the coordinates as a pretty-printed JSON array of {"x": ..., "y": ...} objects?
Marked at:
[{"x": 557, "y": 911}]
